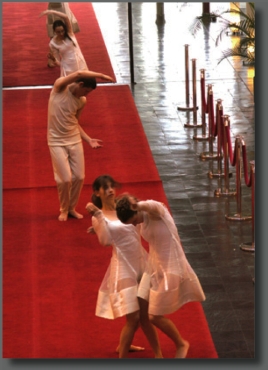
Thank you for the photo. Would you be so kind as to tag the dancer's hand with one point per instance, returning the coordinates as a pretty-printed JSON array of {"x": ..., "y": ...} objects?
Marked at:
[
  {"x": 51, "y": 56},
  {"x": 91, "y": 208},
  {"x": 133, "y": 203},
  {"x": 95, "y": 143},
  {"x": 91, "y": 230},
  {"x": 108, "y": 78}
]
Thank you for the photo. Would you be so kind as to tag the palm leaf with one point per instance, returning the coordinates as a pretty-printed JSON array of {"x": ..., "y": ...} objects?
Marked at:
[{"x": 245, "y": 27}]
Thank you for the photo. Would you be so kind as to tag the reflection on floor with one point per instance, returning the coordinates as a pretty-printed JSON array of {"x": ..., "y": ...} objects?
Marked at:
[{"x": 211, "y": 241}]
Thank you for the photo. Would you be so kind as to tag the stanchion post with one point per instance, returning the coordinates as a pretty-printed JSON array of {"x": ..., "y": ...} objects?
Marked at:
[
  {"x": 226, "y": 191},
  {"x": 210, "y": 154},
  {"x": 238, "y": 215},
  {"x": 250, "y": 247},
  {"x": 194, "y": 109},
  {"x": 194, "y": 92},
  {"x": 204, "y": 136},
  {"x": 187, "y": 90},
  {"x": 219, "y": 118}
]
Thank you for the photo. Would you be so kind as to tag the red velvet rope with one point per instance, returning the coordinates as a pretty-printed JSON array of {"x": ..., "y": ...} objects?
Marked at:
[
  {"x": 211, "y": 113},
  {"x": 248, "y": 180},
  {"x": 232, "y": 156},
  {"x": 207, "y": 105},
  {"x": 218, "y": 118},
  {"x": 221, "y": 133},
  {"x": 203, "y": 93}
]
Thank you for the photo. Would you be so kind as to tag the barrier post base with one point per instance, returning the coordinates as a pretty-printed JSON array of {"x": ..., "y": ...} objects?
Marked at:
[
  {"x": 238, "y": 217},
  {"x": 248, "y": 247},
  {"x": 187, "y": 109},
  {"x": 226, "y": 193},
  {"x": 218, "y": 174},
  {"x": 208, "y": 155},
  {"x": 201, "y": 137},
  {"x": 192, "y": 125}
]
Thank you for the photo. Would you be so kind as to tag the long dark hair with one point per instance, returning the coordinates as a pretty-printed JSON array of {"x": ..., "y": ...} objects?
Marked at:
[
  {"x": 102, "y": 182},
  {"x": 60, "y": 23}
]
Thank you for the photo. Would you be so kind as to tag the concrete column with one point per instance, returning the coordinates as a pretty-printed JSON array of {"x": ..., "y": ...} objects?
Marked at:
[
  {"x": 160, "y": 15},
  {"x": 206, "y": 8}
]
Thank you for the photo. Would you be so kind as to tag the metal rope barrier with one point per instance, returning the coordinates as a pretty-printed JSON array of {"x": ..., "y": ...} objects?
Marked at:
[
  {"x": 195, "y": 107},
  {"x": 248, "y": 180},
  {"x": 250, "y": 247},
  {"x": 187, "y": 93},
  {"x": 226, "y": 191},
  {"x": 204, "y": 136},
  {"x": 219, "y": 133},
  {"x": 235, "y": 160},
  {"x": 211, "y": 123}
]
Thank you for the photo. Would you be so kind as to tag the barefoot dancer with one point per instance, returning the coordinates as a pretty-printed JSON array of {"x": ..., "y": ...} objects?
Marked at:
[
  {"x": 117, "y": 295},
  {"x": 170, "y": 281},
  {"x": 64, "y": 135},
  {"x": 65, "y": 51}
]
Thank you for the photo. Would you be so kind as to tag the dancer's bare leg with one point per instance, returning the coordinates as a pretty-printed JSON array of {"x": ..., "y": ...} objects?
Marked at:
[
  {"x": 127, "y": 333},
  {"x": 148, "y": 329},
  {"x": 168, "y": 327}
]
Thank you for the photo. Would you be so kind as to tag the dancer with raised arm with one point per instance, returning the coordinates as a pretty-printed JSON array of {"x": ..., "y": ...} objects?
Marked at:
[
  {"x": 66, "y": 102},
  {"x": 64, "y": 49},
  {"x": 170, "y": 282}
]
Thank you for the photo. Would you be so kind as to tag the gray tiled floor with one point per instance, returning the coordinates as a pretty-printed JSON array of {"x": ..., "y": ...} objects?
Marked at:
[{"x": 211, "y": 242}]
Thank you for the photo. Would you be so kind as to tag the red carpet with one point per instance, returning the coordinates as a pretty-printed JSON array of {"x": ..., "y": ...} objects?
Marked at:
[
  {"x": 110, "y": 115},
  {"x": 52, "y": 270},
  {"x": 51, "y": 276},
  {"x": 25, "y": 43}
]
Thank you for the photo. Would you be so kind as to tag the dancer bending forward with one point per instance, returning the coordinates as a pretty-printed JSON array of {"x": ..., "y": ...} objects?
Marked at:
[{"x": 170, "y": 281}]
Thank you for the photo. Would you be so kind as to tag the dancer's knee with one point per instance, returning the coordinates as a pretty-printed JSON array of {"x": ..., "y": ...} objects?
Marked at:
[
  {"x": 133, "y": 319},
  {"x": 64, "y": 183},
  {"x": 154, "y": 319},
  {"x": 78, "y": 179}
]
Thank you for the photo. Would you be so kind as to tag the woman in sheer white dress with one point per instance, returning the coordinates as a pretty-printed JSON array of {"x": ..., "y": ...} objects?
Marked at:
[
  {"x": 170, "y": 281},
  {"x": 64, "y": 51},
  {"x": 117, "y": 294}
]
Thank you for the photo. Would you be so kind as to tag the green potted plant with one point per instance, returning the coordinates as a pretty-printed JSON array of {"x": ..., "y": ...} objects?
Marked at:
[{"x": 245, "y": 28}]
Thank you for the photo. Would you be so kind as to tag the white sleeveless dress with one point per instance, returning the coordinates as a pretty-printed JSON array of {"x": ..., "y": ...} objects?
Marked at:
[
  {"x": 69, "y": 55},
  {"x": 170, "y": 281},
  {"x": 117, "y": 294}
]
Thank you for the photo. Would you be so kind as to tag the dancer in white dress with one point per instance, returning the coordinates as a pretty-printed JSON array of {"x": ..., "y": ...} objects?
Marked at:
[
  {"x": 170, "y": 281},
  {"x": 64, "y": 48},
  {"x": 117, "y": 295}
]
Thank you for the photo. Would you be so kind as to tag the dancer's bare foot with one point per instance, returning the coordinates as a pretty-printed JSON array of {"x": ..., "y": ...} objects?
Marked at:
[
  {"x": 132, "y": 348},
  {"x": 75, "y": 214},
  {"x": 63, "y": 216},
  {"x": 182, "y": 350}
]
